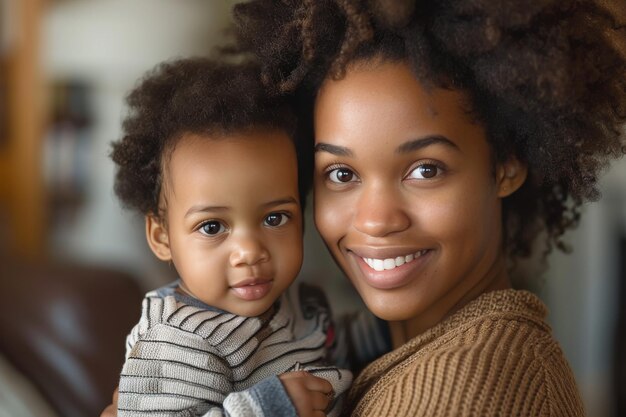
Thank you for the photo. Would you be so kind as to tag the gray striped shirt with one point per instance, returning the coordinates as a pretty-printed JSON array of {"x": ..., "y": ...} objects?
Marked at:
[{"x": 185, "y": 358}]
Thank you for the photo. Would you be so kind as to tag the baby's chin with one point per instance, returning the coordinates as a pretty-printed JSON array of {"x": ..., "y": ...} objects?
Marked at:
[{"x": 252, "y": 308}]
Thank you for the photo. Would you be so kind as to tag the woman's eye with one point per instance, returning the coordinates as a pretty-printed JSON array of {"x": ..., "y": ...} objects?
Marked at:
[
  {"x": 341, "y": 175},
  {"x": 425, "y": 172},
  {"x": 212, "y": 228},
  {"x": 276, "y": 219}
]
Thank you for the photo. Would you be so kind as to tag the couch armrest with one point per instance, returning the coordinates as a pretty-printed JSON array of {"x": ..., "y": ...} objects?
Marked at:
[{"x": 64, "y": 326}]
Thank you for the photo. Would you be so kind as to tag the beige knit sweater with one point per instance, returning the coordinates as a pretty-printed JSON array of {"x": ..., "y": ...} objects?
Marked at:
[{"x": 494, "y": 357}]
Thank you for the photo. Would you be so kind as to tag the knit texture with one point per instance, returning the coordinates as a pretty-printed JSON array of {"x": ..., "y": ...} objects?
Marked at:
[
  {"x": 494, "y": 357},
  {"x": 185, "y": 358}
]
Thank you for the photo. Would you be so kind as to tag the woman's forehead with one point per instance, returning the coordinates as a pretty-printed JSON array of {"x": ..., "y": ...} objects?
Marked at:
[{"x": 387, "y": 101}]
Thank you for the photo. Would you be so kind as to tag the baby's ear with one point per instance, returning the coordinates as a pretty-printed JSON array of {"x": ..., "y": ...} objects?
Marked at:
[
  {"x": 158, "y": 239},
  {"x": 510, "y": 176}
]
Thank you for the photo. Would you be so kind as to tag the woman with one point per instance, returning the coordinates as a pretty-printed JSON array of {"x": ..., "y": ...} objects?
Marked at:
[{"x": 449, "y": 135}]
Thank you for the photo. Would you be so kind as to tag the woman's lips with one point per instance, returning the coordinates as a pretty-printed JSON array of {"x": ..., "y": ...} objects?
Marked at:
[
  {"x": 252, "y": 289},
  {"x": 394, "y": 272}
]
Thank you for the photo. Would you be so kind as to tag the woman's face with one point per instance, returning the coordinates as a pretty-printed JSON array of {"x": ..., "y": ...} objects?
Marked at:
[{"x": 407, "y": 198}]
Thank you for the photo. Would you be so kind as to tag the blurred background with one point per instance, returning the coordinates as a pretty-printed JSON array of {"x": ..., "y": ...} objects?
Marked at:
[{"x": 73, "y": 264}]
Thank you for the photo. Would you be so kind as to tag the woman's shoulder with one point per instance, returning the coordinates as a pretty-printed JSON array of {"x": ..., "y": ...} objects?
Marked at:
[
  {"x": 499, "y": 335},
  {"x": 496, "y": 355},
  {"x": 511, "y": 320}
]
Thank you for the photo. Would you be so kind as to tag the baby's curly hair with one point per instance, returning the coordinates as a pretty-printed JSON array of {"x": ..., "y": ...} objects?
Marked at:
[
  {"x": 196, "y": 95},
  {"x": 546, "y": 78}
]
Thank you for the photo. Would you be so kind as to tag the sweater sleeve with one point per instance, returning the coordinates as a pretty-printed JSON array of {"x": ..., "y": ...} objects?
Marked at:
[{"x": 563, "y": 396}]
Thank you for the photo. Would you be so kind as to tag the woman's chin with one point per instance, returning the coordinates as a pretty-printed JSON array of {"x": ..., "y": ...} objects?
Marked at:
[{"x": 387, "y": 307}]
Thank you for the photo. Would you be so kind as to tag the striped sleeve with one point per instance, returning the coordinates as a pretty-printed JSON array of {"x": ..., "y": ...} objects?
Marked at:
[{"x": 169, "y": 372}]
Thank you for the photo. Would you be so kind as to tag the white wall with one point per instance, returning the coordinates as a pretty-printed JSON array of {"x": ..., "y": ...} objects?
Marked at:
[{"x": 581, "y": 290}]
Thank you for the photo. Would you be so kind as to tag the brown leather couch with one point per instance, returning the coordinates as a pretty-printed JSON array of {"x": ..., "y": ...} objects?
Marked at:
[{"x": 64, "y": 326}]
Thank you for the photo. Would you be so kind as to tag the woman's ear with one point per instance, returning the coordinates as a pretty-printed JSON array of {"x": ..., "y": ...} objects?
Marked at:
[
  {"x": 511, "y": 175},
  {"x": 158, "y": 239}
]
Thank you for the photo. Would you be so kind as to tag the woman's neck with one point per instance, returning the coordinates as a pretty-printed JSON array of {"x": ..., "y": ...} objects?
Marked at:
[{"x": 495, "y": 279}]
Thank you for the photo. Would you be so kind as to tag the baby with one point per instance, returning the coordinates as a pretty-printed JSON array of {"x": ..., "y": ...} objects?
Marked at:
[{"x": 209, "y": 159}]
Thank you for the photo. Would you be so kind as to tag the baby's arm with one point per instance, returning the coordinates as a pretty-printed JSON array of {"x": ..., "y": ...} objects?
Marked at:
[
  {"x": 172, "y": 372},
  {"x": 269, "y": 398}
]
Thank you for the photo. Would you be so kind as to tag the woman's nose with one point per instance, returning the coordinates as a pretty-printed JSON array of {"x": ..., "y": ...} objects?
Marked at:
[
  {"x": 380, "y": 212},
  {"x": 248, "y": 250}
]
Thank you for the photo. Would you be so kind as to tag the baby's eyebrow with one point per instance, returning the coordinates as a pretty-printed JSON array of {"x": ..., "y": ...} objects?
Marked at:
[
  {"x": 420, "y": 143},
  {"x": 280, "y": 201},
  {"x": 333, "y": 149},
  {"x": 205, "y": 209}
]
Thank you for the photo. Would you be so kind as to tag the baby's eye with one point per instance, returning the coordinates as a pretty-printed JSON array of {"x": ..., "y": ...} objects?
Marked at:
[
  {"x": 276, "y": 219},
  {"x": 212, "y": 228},
  {"x": 425, "y": 172},
  {"x": 341, "y": 175}
]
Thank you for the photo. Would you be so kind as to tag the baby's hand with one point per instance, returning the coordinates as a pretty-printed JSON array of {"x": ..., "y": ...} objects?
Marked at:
[
  {"x": 309, "y": 394},
  {"x": 111, "y": 410}
]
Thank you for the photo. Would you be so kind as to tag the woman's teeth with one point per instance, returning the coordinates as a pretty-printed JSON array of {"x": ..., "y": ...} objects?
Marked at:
[{"x": 391, "y": 263}]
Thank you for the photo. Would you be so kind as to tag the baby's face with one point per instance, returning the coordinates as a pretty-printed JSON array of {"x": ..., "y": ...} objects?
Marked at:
[{"x": 234, "y": 224}]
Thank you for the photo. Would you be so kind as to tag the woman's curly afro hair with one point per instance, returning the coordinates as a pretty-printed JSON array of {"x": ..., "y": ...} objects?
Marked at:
[
  {"x": 545, "y": 77},
  {"x": 195, "y": 95}
]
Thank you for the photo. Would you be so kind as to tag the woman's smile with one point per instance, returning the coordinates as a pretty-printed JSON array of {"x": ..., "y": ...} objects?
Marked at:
[{"x": 391, "y": 273}]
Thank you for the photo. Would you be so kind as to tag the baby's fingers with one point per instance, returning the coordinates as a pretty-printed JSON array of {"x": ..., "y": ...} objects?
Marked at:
[
  {"x": 319, "y": 401},
  {"x": 321, "y": 385},
  {"x": 309, "y": 394}
]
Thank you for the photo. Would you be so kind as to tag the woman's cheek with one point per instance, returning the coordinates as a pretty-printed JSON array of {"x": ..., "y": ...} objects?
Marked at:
[
  {"x": 438, "y": 215},
  {"x": 441, "y": 220},
  {"x": 464, "y": 222},
  {"x": 331, "y": 215}
]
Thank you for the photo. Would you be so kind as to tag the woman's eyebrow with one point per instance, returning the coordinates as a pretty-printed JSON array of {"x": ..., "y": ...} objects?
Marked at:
[
  {"x": 425, "y": 141},
  {"x": 333, "y": 149}
]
